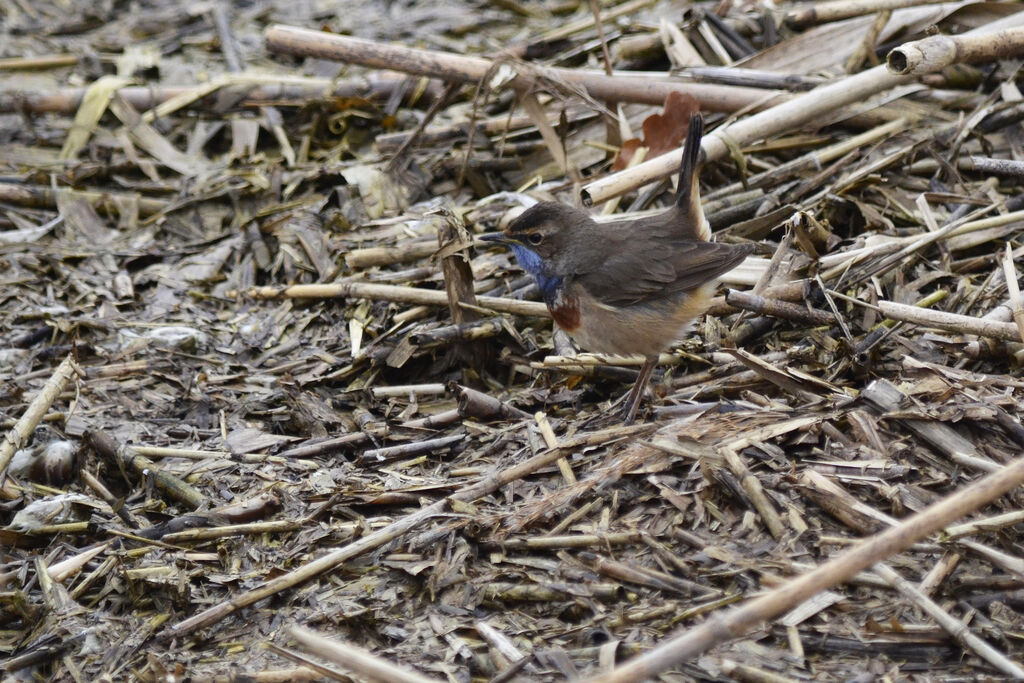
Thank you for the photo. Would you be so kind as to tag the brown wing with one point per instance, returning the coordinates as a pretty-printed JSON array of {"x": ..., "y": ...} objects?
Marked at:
[{"x": 663, "y": 267}]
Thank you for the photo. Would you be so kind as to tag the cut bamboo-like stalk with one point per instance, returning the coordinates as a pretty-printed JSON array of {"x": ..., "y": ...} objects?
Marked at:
[
  {"x": 937, "y": 52},
  {"x": 551, "y": 441},
  {"x": 1010, "y": 167},
  {"x": 977, "y": 526},
  {"x": 751, "y": 484},
  {"x": 816, "y": 159},
  {"x": 41, "y": 196},
  {"x": 368, "y": 257}
]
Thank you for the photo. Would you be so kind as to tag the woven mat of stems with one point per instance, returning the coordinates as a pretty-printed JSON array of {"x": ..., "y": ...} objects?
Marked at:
[{"x": 271, "y": 413}]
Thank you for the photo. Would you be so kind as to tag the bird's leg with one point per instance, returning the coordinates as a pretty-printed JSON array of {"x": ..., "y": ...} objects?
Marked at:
[{"x": 637, "y": 392}]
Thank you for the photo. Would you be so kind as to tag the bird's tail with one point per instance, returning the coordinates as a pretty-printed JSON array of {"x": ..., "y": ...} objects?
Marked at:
[
  {"x": 692, "y": 223},
  {"x": 688, "y": 169}
]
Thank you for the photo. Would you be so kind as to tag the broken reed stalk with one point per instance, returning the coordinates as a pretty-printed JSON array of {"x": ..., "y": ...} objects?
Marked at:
[
  {"x": 900, "y": 248},
  {"x": 779, "y": 309},
  {"x": 354, "y": 658},
  {"x": 448, "y": 66},
  {"x": 35, "y": 412},
  {"x": 398, "y": 294},
  {"x": 40, "y": 196},
  {"x": 866, "y": 49},
  {"x": 800, "y": 110},
  {"x": 39, "y": 62},
  {"x": 735, "y": 623},
  {"x": 486, "y": 485},
  {"x": 752, "y": 485},
  {"x": 824, "y": 12},
  {"x": 61, "y": 571},
  {"x": 125, "y": 457},
  {"x": 953, "y": 322},
  {"x": 816, "y": 159},
  {"x": 458, "y": 285},
  {"x": 280, "y": 90},
  {"x": 978, "y": 526},
  {"x": 935, "y": 53},
  {"x": 376, "y": 456},
  {"x": 368, "y": 257},
  {"x": 1010, "y": 167},
  {"x": 501, "y": 643},
  {"x": 779, "y": 378},
  {"x": 551, "y": 441}
]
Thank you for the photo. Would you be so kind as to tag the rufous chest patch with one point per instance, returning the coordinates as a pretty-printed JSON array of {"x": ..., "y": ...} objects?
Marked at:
[{"x": 565, "y": 309}]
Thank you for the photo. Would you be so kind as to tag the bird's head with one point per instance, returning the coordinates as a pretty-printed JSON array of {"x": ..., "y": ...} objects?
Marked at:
[{"x": 542, "y": 237}]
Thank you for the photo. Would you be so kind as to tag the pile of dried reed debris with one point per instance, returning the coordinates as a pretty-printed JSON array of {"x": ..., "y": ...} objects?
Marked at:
[{"x": 269, "y": 413}]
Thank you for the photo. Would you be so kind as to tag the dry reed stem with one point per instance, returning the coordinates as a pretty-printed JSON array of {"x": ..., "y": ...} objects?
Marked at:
[
  {"x": 454, "y": 67},
  {"x": 752, "y": 486},
  {"x": 978, "y": 526},
  {"x": 963, "y": 324},
  {"x": 824, "y": 12},
  {"x": 355, "y": 658},
  {"x": 125, "y": 457},
  {"x": 399, "y": 294},
  {"x": 568, "y": 29}
]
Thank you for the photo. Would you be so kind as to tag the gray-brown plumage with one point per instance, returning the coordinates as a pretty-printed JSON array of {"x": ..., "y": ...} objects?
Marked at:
[{"x": 629, "y": 286}]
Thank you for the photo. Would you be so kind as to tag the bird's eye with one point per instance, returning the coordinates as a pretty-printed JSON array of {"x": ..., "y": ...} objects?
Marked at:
[{"x": 535, "y": 238}]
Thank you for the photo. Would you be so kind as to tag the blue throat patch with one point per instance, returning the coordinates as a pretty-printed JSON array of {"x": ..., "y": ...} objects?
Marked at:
[{"x": 532, "y": 264}]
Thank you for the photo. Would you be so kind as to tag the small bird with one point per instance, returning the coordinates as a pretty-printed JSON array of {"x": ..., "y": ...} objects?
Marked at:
[{"x": 631, "y": 286}]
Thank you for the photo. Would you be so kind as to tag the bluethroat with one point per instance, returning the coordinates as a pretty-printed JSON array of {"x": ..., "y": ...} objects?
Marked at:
[{"x": 631, "y": 286}]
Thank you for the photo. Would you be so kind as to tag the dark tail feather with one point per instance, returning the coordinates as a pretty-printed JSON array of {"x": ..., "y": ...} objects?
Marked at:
[{"x": 688, "y": 166}]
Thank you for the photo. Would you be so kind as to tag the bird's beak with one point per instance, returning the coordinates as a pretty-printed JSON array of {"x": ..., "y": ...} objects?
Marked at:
[{"x": 496, "y": 238}]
